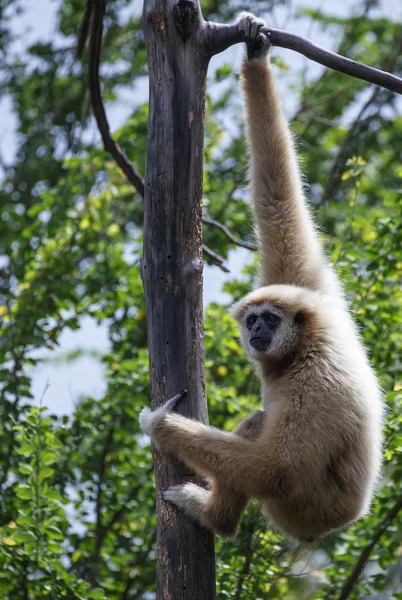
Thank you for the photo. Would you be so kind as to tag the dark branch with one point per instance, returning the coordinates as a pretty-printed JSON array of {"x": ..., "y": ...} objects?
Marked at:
[
  {"x": 364, "y": 556},
  {"x": 99, "y": 527},
  {"x": 84, "y": 29},
  {"x": 118, "y": 514},
  {"x": 219, "y": 37},
  {"x": 95, "y": 44},
  {"x": 226, "y": 231},
  {"x": 248, "y": 557},
  {"x": 352, "y": 129},
  {"x": 338, "y": 161},
  {"x": 215, "y": 258}
]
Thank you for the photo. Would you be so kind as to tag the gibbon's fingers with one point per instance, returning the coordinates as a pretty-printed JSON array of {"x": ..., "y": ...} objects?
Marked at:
[
  {"x": 170, "y": 404},
  {"x": 258, "y": 44},
  {"x": 148, "y": 417}
]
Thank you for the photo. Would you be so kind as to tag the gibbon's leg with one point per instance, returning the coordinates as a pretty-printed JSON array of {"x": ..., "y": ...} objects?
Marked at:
[
  {"x": 251, "y": 427},
  {"x": 218, "y": 509},
  {"x": 221, "y": 508},
  {"x": 290, "y": 252},
  {"x": 212, "y": 452},
  {"x": 225, "y": 507}
]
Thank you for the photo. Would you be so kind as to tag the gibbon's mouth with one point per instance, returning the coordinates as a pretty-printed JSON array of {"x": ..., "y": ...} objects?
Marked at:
[{"x": 260, "y": 344}]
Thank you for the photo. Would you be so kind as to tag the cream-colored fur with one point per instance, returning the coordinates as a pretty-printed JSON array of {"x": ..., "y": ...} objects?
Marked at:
[{"x": 312, "y": 456}]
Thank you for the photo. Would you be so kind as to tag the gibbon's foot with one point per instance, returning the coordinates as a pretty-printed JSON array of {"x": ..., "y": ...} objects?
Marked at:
[
  {"x": 148, "y": 417},
  {"x": 258, "y": 43},
  {"x": 190, "y": 498}
]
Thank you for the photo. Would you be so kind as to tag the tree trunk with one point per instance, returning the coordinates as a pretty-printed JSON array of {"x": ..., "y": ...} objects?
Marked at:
[{"x": 172, "y": 271}]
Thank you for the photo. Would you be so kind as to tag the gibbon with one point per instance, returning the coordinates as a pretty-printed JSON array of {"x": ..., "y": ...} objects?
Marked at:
[{"x": 312, "y": 456}]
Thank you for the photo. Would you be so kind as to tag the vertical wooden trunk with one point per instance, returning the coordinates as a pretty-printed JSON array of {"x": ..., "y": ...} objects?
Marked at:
[{"x": 172, "y": 271}]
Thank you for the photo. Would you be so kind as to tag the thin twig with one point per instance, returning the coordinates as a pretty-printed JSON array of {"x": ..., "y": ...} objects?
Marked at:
[
  {"x": 99, "y": 527},
  {"x": 225, "y": 230},
  {"x": 365, "y": 554},
  {"x": 336, "y": 165},
  {"x": 95, "y": 44},
  {"x": 245, "y": 570},
  {"x": 215, "y": 258}
]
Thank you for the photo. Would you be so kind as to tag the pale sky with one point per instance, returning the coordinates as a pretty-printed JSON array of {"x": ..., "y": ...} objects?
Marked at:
[{"x": 85, "y": 376}]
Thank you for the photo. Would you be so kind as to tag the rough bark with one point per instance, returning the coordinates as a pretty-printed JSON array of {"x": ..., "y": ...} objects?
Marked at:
[{"x": 172, "y": 270}]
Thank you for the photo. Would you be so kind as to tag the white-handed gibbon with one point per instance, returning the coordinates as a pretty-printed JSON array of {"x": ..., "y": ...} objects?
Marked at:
[{"x": 312, "y": 456}]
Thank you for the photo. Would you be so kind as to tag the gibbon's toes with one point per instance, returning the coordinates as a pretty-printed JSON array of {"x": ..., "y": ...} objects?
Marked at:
[
  {"x": 145, "y": 419},
  {"x": 174, "y": 494},
  {"x": 191, "y": 498}
]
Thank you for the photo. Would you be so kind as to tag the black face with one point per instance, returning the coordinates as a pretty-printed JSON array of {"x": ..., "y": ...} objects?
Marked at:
[{"x": 262, "y": 328}]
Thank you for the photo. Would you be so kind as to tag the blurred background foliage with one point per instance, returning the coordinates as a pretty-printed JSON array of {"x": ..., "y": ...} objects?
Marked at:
[{"x": 76, "y": 491}]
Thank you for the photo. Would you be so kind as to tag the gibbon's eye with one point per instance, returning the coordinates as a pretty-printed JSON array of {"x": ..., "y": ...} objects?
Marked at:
[
  {"x": 270, "y": 317},
  {"x": 250, "y": 321}
]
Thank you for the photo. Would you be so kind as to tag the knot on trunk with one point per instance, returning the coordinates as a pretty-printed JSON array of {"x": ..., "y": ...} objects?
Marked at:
[{"x": 185, "y": 13}]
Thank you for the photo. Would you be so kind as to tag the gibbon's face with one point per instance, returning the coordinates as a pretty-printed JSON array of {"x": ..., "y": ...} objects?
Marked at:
[
  {"x": 262, "y": 326},
  {"x": 274, "y": 320},
  {"x": 264, "y": 330}
]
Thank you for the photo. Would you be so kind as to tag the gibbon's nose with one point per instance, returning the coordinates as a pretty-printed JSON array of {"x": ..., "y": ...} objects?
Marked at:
[{"x": 261, "y": 336}]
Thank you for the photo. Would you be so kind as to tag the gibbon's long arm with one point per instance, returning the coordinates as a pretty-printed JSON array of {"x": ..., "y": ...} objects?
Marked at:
[
  {"x": 290, "y": 252},
  {"x": 225, "y": 456}
]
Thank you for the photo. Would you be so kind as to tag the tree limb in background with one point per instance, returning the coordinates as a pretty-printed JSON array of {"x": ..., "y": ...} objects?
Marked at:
[
  {"x": 93, "y": 20},
  {"x": 226, "y": 231},
  {"x": 215, "y": 258},
  {"x": 339, "y": 158},
  {"x": 219, "y": 37},
  {"x": 364, "y": 556},
  {"x": 352, "y": 129},
  {"x": 84, "y": 29}
]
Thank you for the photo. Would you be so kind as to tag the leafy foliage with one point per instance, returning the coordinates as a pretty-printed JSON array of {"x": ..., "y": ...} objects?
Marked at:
[{"x": 77, "y": 502}]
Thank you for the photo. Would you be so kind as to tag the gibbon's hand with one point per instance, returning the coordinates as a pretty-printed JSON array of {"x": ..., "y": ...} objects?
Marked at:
[
  {"x": 258, "y": 43},
  {"x": 148, "y": 418}
]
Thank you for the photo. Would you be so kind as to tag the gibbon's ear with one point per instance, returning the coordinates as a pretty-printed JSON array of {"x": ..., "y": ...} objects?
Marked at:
[{"x": 237, "y": 310}]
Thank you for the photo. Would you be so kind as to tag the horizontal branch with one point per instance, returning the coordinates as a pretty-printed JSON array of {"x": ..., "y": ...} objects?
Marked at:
[
  {"x": 220, "y": 37},
  {"x": 226, "y": 231},
  {"x": 215, "y": 258}
]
